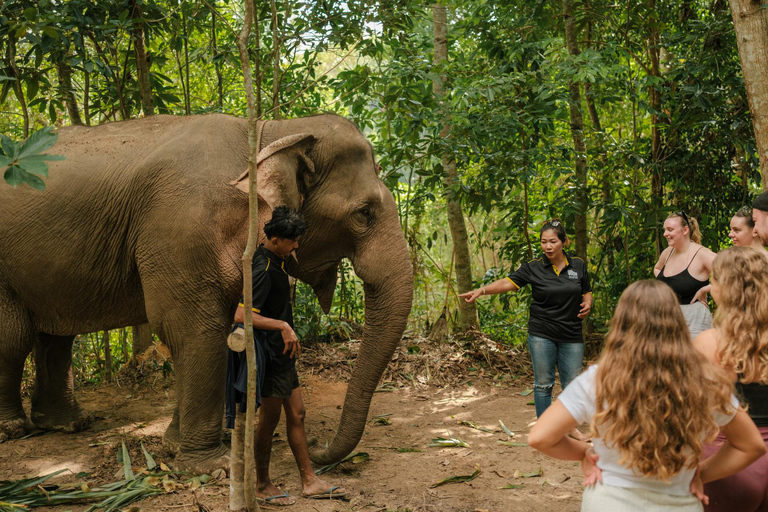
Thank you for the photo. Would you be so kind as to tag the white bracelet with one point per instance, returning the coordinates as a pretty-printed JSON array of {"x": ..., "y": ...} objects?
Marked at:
[{"x": 482, "y": 291}]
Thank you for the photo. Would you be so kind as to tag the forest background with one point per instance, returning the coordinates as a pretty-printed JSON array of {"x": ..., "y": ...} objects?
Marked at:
[{"x": 487, "y": 118}]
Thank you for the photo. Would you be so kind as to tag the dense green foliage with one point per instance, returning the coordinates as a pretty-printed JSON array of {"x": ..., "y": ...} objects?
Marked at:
[{"x": 507, "y": 97}]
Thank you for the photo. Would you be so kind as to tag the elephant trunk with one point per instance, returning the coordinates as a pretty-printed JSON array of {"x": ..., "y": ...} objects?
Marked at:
[{"x": 385, "y": 268}]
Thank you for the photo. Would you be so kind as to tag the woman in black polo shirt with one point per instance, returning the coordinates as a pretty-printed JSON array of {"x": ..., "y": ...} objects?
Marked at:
[{"x": 562, "y": 296}]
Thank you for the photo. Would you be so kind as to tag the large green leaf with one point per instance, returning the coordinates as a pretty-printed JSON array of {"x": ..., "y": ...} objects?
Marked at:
[
  {"x": 34, "y": 182},
  {"x": 14, "y": 176},
  {"x": 38, "y": 142},
  {"x": 9, "y": 148},
  {"x": 35, "y": 165}
]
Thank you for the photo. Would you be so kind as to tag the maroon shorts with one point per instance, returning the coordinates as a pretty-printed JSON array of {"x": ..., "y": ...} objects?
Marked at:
[{"x": 746, "y": 491}]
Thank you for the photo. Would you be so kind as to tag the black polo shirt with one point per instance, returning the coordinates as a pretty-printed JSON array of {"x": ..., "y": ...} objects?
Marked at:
[
  {"x": 271, "y": 299},
  {"x": 557, "y": 297}
]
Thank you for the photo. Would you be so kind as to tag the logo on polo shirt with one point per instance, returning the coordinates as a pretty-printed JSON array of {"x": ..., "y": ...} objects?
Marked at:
[{"x": 572, "y": 274}]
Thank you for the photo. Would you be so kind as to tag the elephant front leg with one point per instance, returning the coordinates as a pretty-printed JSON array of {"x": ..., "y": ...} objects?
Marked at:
[
  {"x": 54, "y": 406},
  {"x": 200, "y": 369},
  {"x": 16, "y": 341}
]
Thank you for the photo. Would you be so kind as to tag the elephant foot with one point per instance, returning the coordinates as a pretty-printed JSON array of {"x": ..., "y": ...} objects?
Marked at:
[
  {"x": 207, "y": 462},
  {"x": 64, "y": 422},
  {"x": 13, "y": 429},
  {"x": 172, "y": 439}
]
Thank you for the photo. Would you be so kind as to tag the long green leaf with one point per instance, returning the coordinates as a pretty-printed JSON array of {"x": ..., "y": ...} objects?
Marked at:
[
  {"x": 458, "y": 479},
  {"x": 151, "y": 464},
  {"x": 38, "y": 142},
  {"x": 127, "y": 464}
]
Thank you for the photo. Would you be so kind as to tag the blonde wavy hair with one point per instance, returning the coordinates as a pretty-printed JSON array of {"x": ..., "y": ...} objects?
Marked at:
[
  {"x": 655, "y": 392},
  {"x": 741, "y": 274}
]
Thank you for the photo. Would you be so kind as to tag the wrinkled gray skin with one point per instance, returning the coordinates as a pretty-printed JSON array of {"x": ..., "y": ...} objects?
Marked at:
[{"x": 143, "y": 222}]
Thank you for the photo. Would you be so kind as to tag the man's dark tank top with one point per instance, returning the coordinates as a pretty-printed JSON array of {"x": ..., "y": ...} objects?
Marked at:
[
  {"x": 756, "y": 396},
  {"x": 683, "y": 283}
]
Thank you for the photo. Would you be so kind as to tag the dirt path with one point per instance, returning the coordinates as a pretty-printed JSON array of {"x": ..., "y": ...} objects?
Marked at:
[{"x": 388, "y": 481}]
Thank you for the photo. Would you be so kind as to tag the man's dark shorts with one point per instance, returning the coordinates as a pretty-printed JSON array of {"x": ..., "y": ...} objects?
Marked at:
[{"x": 279, "y": 383}]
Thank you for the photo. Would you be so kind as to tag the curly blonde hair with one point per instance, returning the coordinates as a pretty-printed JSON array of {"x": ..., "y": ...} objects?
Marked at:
[
  {"x": 655, "y": 393},
  {"x": 741, "y": 274}
]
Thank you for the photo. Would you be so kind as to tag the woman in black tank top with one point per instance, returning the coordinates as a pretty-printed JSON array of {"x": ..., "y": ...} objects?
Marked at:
[
  {"x": 685, "y": 266},
  {"x": 738, "y": 342}
]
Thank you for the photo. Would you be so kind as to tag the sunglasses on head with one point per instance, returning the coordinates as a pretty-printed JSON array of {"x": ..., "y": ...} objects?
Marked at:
[{"x": 682, "y": 214}]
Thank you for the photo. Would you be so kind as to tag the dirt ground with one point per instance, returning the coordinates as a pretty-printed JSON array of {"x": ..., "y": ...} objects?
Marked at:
[{"x": 390, "y": 480}]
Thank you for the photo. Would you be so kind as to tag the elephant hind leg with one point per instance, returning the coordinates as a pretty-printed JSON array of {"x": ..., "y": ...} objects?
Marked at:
[
  {"x": 16, "y": 340},
  {"x": 54, "y": 406}
]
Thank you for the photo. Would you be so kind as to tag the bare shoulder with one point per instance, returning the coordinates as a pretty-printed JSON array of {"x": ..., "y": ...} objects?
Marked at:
[
  {"x": 706, "y": 343},
  {"x": 706, "y": 257},
  {"x": 663, "y": 257}
]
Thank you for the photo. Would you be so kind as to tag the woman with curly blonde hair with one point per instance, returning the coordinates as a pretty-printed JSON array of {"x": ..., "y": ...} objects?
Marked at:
[
  {"x": 738, "y": 342},
  {"x": 652, "y": 401}
]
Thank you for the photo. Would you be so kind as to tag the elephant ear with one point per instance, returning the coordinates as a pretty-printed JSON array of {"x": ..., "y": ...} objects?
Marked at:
[{"x": 281, "y": 170}]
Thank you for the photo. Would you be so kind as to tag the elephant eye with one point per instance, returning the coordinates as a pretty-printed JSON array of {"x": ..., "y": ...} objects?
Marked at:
[{"x": 366, "y": 214}]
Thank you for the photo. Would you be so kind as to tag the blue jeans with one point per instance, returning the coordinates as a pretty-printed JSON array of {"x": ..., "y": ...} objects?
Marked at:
[{"x": 545, "y": 356}]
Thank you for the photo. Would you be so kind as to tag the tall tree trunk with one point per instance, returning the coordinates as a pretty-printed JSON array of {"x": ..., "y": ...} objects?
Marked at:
[
  {"x": 247, "y": 480},
  {"x": 86, "y": 97},
  {"x": 187, "y": 101},
  {"x": 467, "y": 311},
  {"x": 577, "y": 133},
  {"x": 276, "y": 41},
  {"x": 142, "y": 61},
  {"x": 654, "y": 101},
  {"x": 107, "y": 356},
  {"x": 11, "y": 56},
  {"x": 750, "y": 21},
  {"x": 142, "y": 339},
  {"x": 216, "y": 61},
  {"x": 64, "y": 72}
]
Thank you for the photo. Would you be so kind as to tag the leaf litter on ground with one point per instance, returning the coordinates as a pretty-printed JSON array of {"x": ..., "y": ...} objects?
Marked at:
[
  {"x": 510, "y": 443},
  {"x": 381, "y": 419},
  {"x": 355, "y": 458},
  {"x": 450, "y": 442},
  {"x": 505, "y": 429},
  {"x": 520, "y": 474},
  {"x": 472, "y": 424},
  {"x": 21, "y": 495},
  {"x": 458, "y": 479}
]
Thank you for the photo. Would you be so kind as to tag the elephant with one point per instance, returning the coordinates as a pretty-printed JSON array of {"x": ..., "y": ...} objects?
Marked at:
[{"x": 146, "y": 220}]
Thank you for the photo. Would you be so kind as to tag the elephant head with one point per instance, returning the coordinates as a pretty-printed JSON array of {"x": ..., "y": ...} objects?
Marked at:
[{"x": 326, "y": 165}]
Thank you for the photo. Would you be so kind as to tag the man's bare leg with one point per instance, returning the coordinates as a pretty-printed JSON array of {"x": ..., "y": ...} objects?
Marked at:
[
  {"x": 297, "y": 440},
  {"x": 269, "y": 417}
]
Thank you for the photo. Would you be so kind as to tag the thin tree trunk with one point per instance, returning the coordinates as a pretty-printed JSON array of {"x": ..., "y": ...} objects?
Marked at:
[
  {"x": 107, "y": 356},
  {"x": 187, "y": 106},
  {"x": 64, "y": 72},
  {"x": 654, "y": 101},
  {"x": 123, "y": 345},
  {"x": 276, "y": 41},
  {"x": 11, "y": 55},
  {"x": 467, "y": 311},
  {"x": 216, "y": 62},
  {"x": 254, "y": 135},
  {"x": 142, "y": 61},
  {"x": 750, "y": 21},
  {"x": 577, "y": 133},
  {"x": 86, "y": 98}
]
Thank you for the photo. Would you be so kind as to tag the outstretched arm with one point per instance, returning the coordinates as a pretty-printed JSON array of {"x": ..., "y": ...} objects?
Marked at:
[{"x": 500, "y": 286}]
